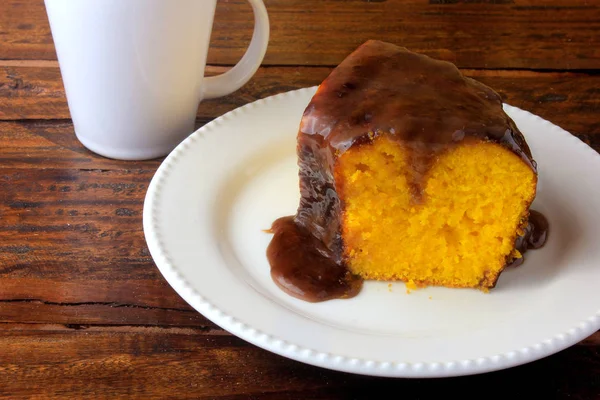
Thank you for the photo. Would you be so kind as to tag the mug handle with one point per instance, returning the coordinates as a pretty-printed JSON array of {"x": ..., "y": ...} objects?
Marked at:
[{"x": 236, "y": 77}]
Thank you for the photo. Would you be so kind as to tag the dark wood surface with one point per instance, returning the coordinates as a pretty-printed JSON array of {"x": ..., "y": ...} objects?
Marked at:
[{"x": 84, "y": 313}]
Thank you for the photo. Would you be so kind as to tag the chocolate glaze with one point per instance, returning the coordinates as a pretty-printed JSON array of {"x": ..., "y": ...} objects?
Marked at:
[
  {"x": 534, "y": 236},
  {"x": 304, "y": 268},
  {"x": 425, "y": 104}
]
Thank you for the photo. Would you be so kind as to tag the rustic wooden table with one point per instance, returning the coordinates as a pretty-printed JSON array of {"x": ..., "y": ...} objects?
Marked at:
[{"x": 84, "y": 312}]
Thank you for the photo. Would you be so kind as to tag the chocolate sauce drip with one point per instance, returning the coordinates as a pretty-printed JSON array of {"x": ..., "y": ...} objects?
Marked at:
[
  {"x": 427, "y": 105},
  {"x": 302, "y": 267},
  {"x": 534, "y": 236}
]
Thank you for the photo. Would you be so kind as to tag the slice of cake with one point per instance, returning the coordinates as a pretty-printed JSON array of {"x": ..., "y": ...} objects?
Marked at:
[{"x": 408, "y": 171}]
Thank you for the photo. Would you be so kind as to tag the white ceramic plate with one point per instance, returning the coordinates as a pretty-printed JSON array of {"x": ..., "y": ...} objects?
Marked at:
[{"x": 211, "y": 198}]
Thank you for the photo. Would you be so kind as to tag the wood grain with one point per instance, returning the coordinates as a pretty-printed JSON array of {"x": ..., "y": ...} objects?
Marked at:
[
  {"x": 72, "y": 250},
  {"x": 182, "y": 363},
  {"x": 53, "y": 144},
  {"x": 474, "y": 34},
  {"x": 571, "y": 100}
]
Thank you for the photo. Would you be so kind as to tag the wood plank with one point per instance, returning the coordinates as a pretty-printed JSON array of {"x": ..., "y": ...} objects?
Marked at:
[
  {"x": 571, "y": 100},
  {"x": 53, "y": 144},
  {"x": 83, "y": 314},
  {"x": 72, "y": 248},
  {"x": 24, "y": 31},
  {"x": 107, "y": 362},
  {"x": 558, "y": 34}
]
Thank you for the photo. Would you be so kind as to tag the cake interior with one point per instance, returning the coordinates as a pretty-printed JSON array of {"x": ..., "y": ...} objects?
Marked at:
[{"x": 460, "y": 231}]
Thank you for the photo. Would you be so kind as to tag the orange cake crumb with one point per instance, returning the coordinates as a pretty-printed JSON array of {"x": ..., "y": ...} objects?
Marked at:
[{"x": 475, "y": 199}]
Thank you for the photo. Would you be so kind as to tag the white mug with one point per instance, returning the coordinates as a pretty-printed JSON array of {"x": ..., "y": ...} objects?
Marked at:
[{"x": 133, "y": 70}]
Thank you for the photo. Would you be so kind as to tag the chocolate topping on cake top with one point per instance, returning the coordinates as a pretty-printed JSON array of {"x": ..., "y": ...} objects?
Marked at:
[{"x": 424, "y": 102}]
